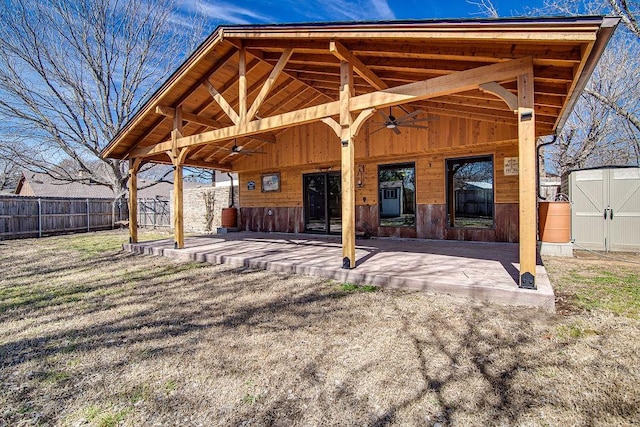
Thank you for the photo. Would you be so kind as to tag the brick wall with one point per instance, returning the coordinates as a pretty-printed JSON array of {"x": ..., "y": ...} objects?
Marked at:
[{"x": 203, "y": 207}]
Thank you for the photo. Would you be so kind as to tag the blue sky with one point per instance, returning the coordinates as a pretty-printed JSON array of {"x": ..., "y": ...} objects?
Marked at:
[{"x": 282, "y": 11}]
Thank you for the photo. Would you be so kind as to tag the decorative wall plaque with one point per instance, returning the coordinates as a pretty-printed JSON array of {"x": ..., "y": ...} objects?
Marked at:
[{"x": 510, "y": 166}]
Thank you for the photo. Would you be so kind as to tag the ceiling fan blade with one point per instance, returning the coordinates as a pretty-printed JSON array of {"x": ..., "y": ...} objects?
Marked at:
[
  {"x": 384, "y": 116},
  {"x": 410, "y": 115},
  {"x": 396, "y": 130},
  {"x": 404, "y": 125},
  {"x": 422, "y": 119},
  {"x": 377, "y": 130}
]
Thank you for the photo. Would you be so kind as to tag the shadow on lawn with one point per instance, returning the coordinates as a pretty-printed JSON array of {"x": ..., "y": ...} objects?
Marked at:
[{"x": 457, "y": 368}]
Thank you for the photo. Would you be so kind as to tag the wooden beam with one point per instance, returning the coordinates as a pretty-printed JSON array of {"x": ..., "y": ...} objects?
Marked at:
[
  {"x": 439, "y": 86},
  {"x": 218, "y": 64},
  {"x": 347, "y": 161},
  {"x": 527, "y": 181},
  {"x": 134, "y": 164},
  {"x": 359, "y": 121},
  {"x": 242, "y": 84},
  {"x": 335, "y": 126},
  {"x": 204, "y": 121},
  {"x": 444, "y": 85},
  {"x": 513, "y": 34},
  {"x": 269, "y": 83},
  {"x": 359, "y": 67},
  {"x": 189, "y": 117},
  {"x": 495, "y": 89},
  {"x": 226, "y": 107},
  {"x": 258, "y": 55}
]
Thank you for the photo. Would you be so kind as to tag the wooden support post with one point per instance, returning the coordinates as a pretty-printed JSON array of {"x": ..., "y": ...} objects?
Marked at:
[
  {"x": 242, "y": 85},
  {"x": 347, "y": 168},
  {"x": 178, "y": 215},
  {"x": 527, "y": 181},
  {"x": 134, "y": 164},
  {"x": 177, "y": 158}
]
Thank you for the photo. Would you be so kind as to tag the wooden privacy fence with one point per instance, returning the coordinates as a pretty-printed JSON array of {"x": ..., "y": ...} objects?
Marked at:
[
  {"x": 23, "y": 217},
  {"x": 153, "y": 213}
]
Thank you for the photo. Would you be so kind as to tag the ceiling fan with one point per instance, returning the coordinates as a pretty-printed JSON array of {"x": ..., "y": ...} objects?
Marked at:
[
  {"x": 409, "y": 120},
  {"x": 239, "y": 149}
]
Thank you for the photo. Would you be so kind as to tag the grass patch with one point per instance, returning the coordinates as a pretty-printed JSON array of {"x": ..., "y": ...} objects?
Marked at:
[
  {"x": 54, "y": 377},
  {"x": 616, "y": 292},
  {"x": 40, "y": 296},
  {"x": 574, "y": 331},
  {"x": 90, "y": 245},
  {"x": 355, "y": 288},
  {"x": 105, "y": 417},
  {"x": 168, "y": 343}
]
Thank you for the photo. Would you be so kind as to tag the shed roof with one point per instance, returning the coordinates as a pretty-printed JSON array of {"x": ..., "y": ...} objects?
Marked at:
[{"x": 563, "y": 51}]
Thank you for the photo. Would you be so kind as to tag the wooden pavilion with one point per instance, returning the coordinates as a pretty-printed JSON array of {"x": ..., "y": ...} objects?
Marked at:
[{"x": 316, "y": 118}]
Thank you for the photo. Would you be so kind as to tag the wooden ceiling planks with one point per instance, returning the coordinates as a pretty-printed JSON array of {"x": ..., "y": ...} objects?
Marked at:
[{"x": 390, "y": 55}]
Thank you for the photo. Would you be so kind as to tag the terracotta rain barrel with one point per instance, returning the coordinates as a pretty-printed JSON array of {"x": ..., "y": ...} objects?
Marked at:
[
  {"x": 229, "y": 217},
  {"x": 555, "y": 222}
]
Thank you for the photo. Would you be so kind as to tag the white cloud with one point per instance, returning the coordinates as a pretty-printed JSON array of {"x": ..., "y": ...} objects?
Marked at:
[
  {"x": 383, "y": 9},
  {"x": 225, "y": 12}
]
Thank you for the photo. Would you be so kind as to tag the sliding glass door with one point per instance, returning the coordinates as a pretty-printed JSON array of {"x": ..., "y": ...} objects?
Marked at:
[{"x": 322, "y": 202}]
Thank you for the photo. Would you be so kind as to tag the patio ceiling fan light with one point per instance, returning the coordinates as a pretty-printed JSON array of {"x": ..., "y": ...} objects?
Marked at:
[{"x": 390, "y": 125}]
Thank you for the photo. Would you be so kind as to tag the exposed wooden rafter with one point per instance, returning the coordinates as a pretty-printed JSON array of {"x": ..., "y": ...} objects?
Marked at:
[
  {"x": 461, "y": 81},
  {"x": 269, "y": 83},
  {"x": 222, "y": 102},
  {"x": 342, "y": 53}
]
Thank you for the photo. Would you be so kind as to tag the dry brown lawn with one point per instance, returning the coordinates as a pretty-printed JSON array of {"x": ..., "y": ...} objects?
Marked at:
[{"x": 93, "y": 336}]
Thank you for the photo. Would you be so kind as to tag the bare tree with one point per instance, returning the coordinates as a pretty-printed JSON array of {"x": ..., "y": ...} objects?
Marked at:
[
  {"x": 72, "y": 73},
  {"x": 485, "y": 8},
  {"x": 9, "y": 175},
  {"x": 604, "y": 128}
]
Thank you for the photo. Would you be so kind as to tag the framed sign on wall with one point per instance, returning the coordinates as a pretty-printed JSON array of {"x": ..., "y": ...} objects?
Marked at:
[{"x": 270, "y": 182}]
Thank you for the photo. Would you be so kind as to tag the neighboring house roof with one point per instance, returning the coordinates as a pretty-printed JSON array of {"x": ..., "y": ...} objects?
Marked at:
[
  {"x": 396, "y": 184},
  {"x": 479, "y": 184},
  {"x": 42, "y": 185}
]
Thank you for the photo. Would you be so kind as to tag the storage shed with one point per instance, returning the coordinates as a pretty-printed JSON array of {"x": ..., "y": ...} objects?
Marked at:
[{"x": 605, "y": 208}]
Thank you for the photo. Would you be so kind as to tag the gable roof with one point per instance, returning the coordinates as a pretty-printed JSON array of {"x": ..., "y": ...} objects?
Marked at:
[
  {"x": 564, "y": 52},
  {"x": 42, "y": 185}
]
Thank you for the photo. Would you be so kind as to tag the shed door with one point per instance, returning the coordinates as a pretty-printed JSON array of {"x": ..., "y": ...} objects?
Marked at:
[
  {"x": 624, "y": 213},
  {"x": 588, "y": 195}
]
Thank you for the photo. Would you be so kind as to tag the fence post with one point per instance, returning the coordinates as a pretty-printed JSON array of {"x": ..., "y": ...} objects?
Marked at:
[
  {"x": 39, "y": 217},
  {"x": 88, "y": 217},
  {"x": 155, "y": 212}
]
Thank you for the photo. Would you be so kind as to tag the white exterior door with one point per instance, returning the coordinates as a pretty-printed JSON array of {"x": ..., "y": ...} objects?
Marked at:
[
  {"x": 588, "y": 195},
  {"x": 624, "y": 210},
  {"x": 605, "y": 209}
]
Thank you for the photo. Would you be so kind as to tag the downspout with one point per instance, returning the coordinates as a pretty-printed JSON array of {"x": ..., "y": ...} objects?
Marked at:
[
  {"x": 544, "y": 144},
  {"x": 232, "y": 193}
]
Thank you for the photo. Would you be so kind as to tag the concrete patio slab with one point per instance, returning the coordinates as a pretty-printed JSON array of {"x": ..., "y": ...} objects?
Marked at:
[{"x": 477, "y": 270}]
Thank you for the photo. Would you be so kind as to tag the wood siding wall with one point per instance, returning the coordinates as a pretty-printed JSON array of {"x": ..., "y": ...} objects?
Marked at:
[{"x": 315, "y": 148}]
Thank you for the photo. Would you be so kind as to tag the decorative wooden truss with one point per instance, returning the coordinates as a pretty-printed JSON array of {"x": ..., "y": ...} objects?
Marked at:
[{"x": 248, "y": 83}]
